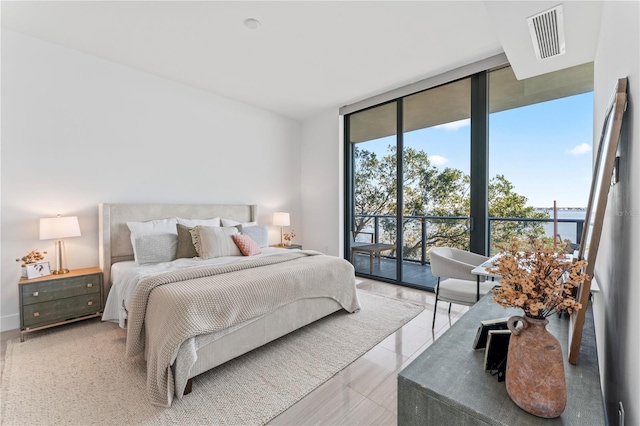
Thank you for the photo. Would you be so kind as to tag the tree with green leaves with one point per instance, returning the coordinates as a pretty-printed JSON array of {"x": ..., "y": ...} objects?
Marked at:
[{"x": 441, "y": 195}]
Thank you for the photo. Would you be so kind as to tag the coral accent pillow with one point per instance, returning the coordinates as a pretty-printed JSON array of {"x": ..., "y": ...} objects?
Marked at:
[{"x": 245, "y": 243}]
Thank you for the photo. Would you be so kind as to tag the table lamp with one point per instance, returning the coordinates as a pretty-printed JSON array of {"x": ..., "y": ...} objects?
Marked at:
[
  {"x": 281, "y": 219},
  {"x": 58, "y": 228}
]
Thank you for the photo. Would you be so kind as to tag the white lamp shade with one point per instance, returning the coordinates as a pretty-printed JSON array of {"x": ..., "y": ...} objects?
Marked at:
[
  {"x": 59, "y": 227},
  {"x": 281, "y": 219}
]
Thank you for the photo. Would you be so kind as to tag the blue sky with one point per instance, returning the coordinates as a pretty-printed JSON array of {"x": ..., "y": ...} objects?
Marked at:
[{"x": 544, "y": 149}]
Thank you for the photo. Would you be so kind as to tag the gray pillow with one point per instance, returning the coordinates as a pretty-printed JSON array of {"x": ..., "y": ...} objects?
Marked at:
[
  {"x": 214, "y": 241},
  {"x": 186, "y": 249},
  {"x": 155, "y": 248},
  {"x": 259, "y": 234}
]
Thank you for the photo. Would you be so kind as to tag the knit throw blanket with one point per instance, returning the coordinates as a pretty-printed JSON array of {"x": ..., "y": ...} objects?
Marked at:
[{"x": 175, "y": 307}]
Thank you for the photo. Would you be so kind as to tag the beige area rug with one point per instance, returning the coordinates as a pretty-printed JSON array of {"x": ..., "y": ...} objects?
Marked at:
[{"x": 78, "y": 374}]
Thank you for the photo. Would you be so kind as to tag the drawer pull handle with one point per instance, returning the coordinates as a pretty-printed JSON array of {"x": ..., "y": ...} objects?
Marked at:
[
  {"x": 90, "y": 303},
  {"x": 35, "y": 294},
  {"x": 36, "y": 314},
  {"x": 89, "y": 285}
]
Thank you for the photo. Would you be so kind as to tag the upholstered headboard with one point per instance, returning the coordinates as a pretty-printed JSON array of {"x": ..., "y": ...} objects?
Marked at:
[{"x": 114, "y": 237}]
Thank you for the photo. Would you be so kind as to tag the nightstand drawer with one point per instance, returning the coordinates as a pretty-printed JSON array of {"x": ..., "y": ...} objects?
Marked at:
[
  {"x": 61, "y": 288},
  {"x": 38, "y": 314}
]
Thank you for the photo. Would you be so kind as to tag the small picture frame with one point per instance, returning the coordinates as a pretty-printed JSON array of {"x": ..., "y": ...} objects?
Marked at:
[
  {"x": 495, "y": 356},
  {"x": 480, "y": 342},
  {"x": 40, "y": 269}
]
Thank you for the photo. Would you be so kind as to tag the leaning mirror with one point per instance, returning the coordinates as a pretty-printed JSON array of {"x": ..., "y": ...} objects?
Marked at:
[{"x": 596, "y": 207}]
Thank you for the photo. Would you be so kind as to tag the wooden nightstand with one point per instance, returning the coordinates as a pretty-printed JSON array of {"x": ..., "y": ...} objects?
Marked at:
[
  {"x": 291, "y": 247},
  {"x": 59, "y": 299}
]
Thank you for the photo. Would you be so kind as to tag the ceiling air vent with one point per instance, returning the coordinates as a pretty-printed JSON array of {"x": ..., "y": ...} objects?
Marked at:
[{"x": 547, "y": 33}]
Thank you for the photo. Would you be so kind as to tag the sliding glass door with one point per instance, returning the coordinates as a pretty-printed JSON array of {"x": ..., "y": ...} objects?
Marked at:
[
  {"x": 409, "y": 179},
  {"x": 436, "y": 170},
  {"x": 418, "y": 173},
  {"x": 372, "y": 228}
]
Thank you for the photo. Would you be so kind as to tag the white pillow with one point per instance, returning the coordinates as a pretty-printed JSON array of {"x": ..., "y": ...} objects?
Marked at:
[
  {"x": 192, "y": 223},
  {"x": 215, "y": 241},
  {"x": 156, "y": 248},
  {"x": 159, "y": 226},
  {"x": 231, "y": 222}
]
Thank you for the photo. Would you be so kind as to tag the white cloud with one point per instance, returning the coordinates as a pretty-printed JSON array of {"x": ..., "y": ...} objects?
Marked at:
[
  {"x": 583, "y": 148},
  {"x": 438, "y": 160},
  {"x": 455, "y": 125}
]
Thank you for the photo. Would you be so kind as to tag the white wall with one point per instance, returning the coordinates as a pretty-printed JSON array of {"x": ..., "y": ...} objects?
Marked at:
[
  {"x": 617, "y": 269},
  {"x": 78, "y": 130},
  {"x": 322, "y": 183}
]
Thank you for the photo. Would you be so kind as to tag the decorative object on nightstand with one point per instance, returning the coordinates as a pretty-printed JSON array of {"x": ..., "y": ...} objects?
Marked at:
[
  {"x": 34, "y": 256},
  {"x": 58, "y": 228},
  {"x": 59, "y": 299},
  {"x": 281, "y": 219},
  {"x": 40, "y": 269},
  {"x": 288, "y": 237}
]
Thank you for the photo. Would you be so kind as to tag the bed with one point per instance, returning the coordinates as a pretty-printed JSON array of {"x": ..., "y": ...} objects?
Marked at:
[{"x": 169, "y": 314}]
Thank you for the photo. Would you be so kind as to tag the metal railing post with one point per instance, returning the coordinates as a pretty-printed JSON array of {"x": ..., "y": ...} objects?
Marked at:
[
  {"x": 376, "y": 229},
  {"x": 579, "y": 230},
  {"x": 489, "y": 236},
  {"x": 423, "y": 224}
]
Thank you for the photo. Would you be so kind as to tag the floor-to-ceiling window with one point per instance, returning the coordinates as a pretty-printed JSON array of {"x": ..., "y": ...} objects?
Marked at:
[
  {"x": 412, "y": 175},
  {"x": 436, "y": 169},
  {"x": 372, "y": 134},
  {"x": 540, "y": 153},
  {"x": 409, "y": 175}
]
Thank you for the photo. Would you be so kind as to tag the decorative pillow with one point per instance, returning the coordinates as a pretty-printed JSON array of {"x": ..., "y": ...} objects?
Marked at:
[
  {"x": 214, "y": 241},
  {"x": 159, "y": 226},
  {"x": 155, "y": 248},
  {"x": 247, "y": 246},
  {"x": 192, "y": 223},
  {"x": 231, "y": 222},
  {"x": 185, "y": 243},
  {"x": 259, "y": 234}
]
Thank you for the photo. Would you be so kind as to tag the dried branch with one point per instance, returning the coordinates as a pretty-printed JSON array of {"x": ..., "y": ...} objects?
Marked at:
[{"x": 538, "y": 280}]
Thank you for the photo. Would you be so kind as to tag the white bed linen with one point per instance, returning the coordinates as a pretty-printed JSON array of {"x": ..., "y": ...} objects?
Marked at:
[{"x": 125, "y": 277}]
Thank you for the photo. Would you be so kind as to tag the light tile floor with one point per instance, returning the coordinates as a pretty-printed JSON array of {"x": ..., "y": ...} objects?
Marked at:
[{"x": 365, "y": 392}]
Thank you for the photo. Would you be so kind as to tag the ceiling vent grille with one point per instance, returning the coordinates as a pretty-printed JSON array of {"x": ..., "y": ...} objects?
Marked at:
[{"x": 547, "y": 33}]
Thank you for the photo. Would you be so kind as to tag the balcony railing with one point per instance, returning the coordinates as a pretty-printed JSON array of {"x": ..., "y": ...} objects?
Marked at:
[{"x": 463, "y": 223}]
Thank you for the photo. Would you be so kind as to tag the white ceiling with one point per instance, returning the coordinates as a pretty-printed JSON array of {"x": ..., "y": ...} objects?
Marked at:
[{"x": 307, "y": 56}]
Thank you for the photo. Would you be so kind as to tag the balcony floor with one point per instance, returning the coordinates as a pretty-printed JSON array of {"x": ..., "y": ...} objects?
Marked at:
[{"x": 413, "y": 273}]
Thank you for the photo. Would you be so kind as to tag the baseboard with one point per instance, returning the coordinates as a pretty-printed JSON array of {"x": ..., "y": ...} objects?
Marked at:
[{"x": 9, "y": 322}]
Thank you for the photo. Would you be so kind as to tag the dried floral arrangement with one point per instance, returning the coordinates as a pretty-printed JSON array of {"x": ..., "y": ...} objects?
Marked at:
[
  {"x": 33, "y": 256},
  {"x": 537, "y": 279},
  {"x": 289, "y": 236}
]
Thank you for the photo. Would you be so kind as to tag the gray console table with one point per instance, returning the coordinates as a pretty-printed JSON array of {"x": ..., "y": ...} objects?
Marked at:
[{"x": 447, "y": 385}]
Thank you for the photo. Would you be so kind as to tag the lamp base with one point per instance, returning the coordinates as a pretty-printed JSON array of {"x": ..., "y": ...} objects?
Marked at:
[{"x": 61, "y": 259}]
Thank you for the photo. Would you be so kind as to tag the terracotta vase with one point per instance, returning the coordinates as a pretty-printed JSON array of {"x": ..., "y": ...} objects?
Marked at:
[{"x": 535, "y": 378}]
